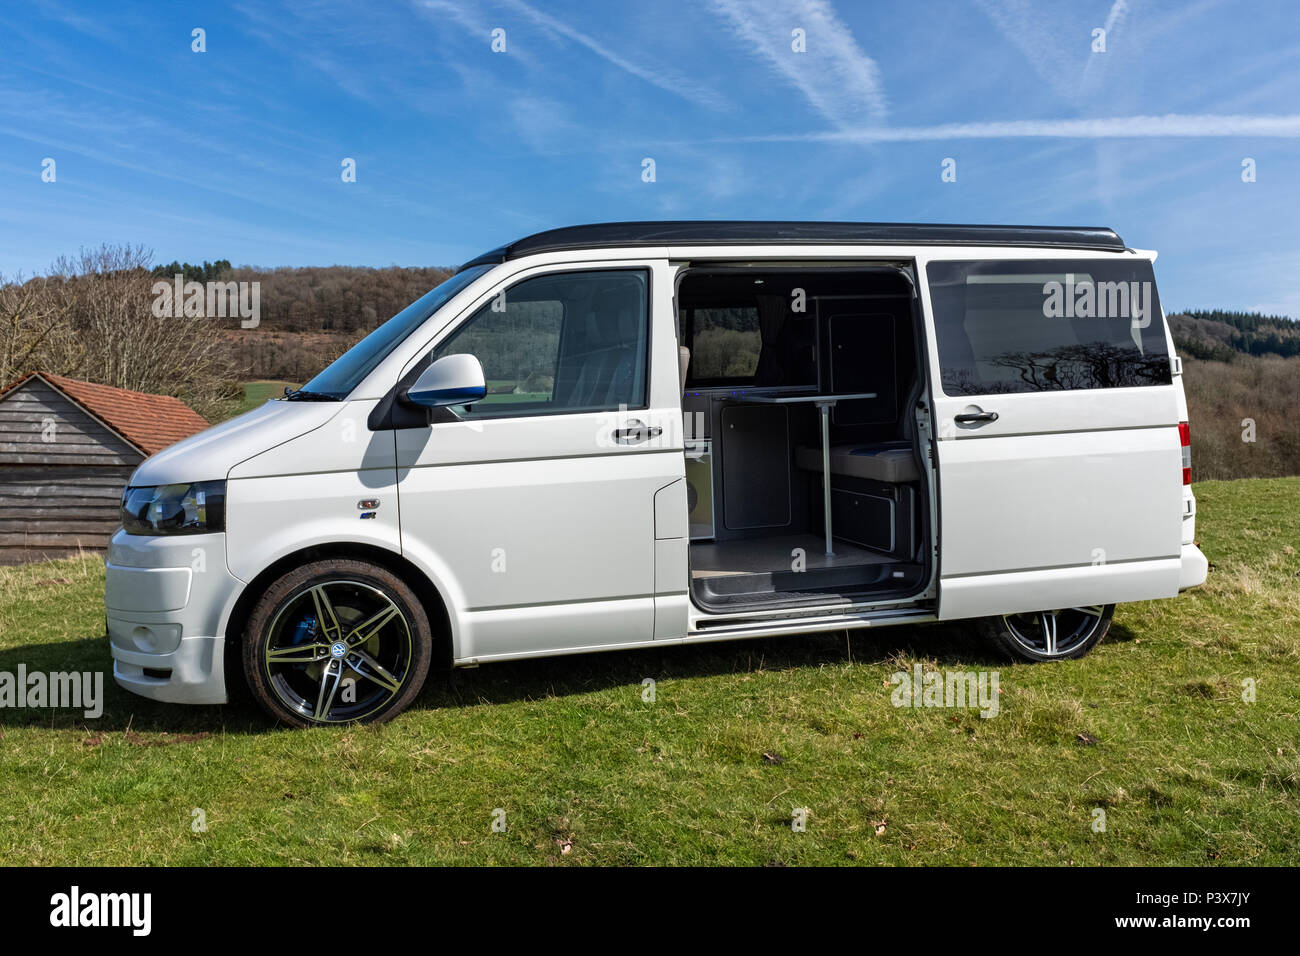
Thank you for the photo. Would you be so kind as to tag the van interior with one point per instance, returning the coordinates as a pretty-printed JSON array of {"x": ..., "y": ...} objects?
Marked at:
[{"x": 773, "y": 362}]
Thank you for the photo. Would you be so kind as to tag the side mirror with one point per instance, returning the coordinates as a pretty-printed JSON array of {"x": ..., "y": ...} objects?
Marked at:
[{"x": 451, "y": 380}]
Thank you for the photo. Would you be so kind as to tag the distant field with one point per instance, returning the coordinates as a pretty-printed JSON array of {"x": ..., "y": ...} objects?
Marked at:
[
  {"x": 501, "y": 392},
  {"x": 1151, "y": 728},
  {"x": 256, "y": 393}
]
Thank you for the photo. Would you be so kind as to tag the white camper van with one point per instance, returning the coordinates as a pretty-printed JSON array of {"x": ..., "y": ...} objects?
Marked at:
[{"x": 633, "y": 434}]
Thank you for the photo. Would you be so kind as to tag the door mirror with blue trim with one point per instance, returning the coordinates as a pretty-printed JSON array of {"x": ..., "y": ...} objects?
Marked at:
[{"x": 450, "y": 380}]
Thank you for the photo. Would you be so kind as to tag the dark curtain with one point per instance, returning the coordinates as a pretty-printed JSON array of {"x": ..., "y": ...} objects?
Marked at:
[{"x": 772, "y": 311}]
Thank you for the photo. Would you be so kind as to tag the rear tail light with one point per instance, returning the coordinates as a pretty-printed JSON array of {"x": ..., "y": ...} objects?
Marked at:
[{"x": 1185, "y": 439}]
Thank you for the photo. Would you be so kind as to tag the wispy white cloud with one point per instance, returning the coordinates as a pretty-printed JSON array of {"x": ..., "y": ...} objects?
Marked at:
[
  {"x": 1112, "y": 127},
  {"x": 1118, "y": 14},
  {"x": 544, "y": 125},
  {"x": 91, "y": 26},
  {"x": 1055, "y": 50},
  {"x": 459, "y": 14},
  {"x": 471, "y": 21},
  {"x": 1118, "y": 11},
  {"x": 1057, "y": 42},
  {"x": 663, "y": 77},
  {"x": 837, "y": 78}
]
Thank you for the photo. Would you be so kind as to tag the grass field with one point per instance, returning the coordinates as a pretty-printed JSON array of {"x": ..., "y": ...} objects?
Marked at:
[
  {"x": 256, "y": 393},
  {"x": 1151, "y": 727}
]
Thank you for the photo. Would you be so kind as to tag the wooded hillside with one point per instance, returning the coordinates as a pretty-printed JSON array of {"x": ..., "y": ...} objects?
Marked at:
[{"x": 91, "y": 319}]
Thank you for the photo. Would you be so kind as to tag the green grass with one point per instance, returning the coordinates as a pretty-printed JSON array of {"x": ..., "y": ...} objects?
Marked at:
[
  {"x": 256, "y": 393},
  {"x": 1186, "y": 771}
]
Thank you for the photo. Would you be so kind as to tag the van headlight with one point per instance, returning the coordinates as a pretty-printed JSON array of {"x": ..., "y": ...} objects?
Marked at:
[{"x": 195, "y": 508}]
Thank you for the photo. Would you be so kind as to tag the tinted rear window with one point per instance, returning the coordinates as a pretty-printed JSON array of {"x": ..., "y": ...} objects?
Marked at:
[{"x": 1047, "y": 325}]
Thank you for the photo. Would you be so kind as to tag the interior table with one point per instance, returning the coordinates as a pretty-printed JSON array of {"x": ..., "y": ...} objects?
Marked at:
[{"x": 825, "y": 403}]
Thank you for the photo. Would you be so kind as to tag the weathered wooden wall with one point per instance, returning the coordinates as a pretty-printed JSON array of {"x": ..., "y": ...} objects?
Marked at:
[{"x": 61, "y": 476}]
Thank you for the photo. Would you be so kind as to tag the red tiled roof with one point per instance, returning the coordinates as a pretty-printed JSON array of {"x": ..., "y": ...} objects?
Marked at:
[{"x": 150, "y": 422}]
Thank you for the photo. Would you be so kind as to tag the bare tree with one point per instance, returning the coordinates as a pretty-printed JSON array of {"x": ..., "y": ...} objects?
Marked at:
[
  {"x": 34, "y": 325},
  {"x": 92, "y": 318}
]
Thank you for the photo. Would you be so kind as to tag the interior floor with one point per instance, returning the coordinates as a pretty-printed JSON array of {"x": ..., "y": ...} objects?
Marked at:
[
  {"x": 841, "y": 579},
  {"x": 713, "y": 558}
]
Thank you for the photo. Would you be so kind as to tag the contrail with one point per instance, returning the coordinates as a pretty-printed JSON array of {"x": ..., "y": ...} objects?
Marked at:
[{"x": 1113, "y": 127}]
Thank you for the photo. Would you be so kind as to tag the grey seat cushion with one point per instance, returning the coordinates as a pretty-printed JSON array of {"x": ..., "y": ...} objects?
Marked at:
[{"x": 891, "y": 463}]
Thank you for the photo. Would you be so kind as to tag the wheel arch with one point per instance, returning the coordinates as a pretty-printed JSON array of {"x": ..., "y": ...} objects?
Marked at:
[{"x": 431, "y": 599}]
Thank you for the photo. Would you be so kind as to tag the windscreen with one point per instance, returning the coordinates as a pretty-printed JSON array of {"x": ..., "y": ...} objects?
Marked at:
[{"x": 346, "y": 372}]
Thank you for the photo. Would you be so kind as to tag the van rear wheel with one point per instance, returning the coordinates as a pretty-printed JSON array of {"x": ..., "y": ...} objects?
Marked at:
[
  {"x": 1057, "y": 635},
  {"x": 335, "y": 642}
]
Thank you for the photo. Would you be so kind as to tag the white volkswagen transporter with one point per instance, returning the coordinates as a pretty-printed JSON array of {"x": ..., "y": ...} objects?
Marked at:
[{"x": 634, "y": 434}]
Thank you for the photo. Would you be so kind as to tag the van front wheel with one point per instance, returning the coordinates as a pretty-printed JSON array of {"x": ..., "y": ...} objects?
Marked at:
[
  {"x": 335, "y": 642},
  {"x": 1050, "y": 635}
]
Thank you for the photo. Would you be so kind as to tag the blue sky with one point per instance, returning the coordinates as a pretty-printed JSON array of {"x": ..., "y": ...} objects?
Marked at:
[{"x": 236, "y": 152}]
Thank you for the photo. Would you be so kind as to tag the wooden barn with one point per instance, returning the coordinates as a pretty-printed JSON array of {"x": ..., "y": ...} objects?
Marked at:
[{"x": 67, "y": 449}]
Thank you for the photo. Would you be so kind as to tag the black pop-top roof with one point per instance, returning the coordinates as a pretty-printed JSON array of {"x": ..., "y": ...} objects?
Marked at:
[{"x": 720, "y": 232}]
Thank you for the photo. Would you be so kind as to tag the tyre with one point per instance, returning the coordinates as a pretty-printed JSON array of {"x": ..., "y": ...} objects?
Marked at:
[
  {"x": 1050, "y": 635},
  {"x": 337, "y": 641}
]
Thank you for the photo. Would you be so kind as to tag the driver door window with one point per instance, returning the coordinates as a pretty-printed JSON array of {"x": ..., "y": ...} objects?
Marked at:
[{"x": 560, "y": 343}]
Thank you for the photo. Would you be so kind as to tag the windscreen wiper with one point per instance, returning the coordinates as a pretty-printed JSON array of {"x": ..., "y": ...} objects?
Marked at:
[{"x": 302, "y": 395}]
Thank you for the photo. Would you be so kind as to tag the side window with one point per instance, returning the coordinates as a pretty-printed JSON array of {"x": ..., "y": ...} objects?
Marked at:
[
  {"x": 1047, "y": 325},
  {"x": 560, "y": 343}
]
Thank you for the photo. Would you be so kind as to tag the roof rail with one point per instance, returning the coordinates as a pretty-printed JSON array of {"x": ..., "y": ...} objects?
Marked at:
[{"x": 722, "y": 232}]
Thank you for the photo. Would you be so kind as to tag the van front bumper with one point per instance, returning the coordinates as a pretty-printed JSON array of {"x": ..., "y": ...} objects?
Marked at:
[
  {"x": 191, "y": 674},
  {"x": 1195, "y": 568},
  {"x": 165, "y": 599}
]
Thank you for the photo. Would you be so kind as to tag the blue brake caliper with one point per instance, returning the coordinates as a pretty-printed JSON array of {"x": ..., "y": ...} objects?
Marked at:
[{"x": 303, "y": 633}]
